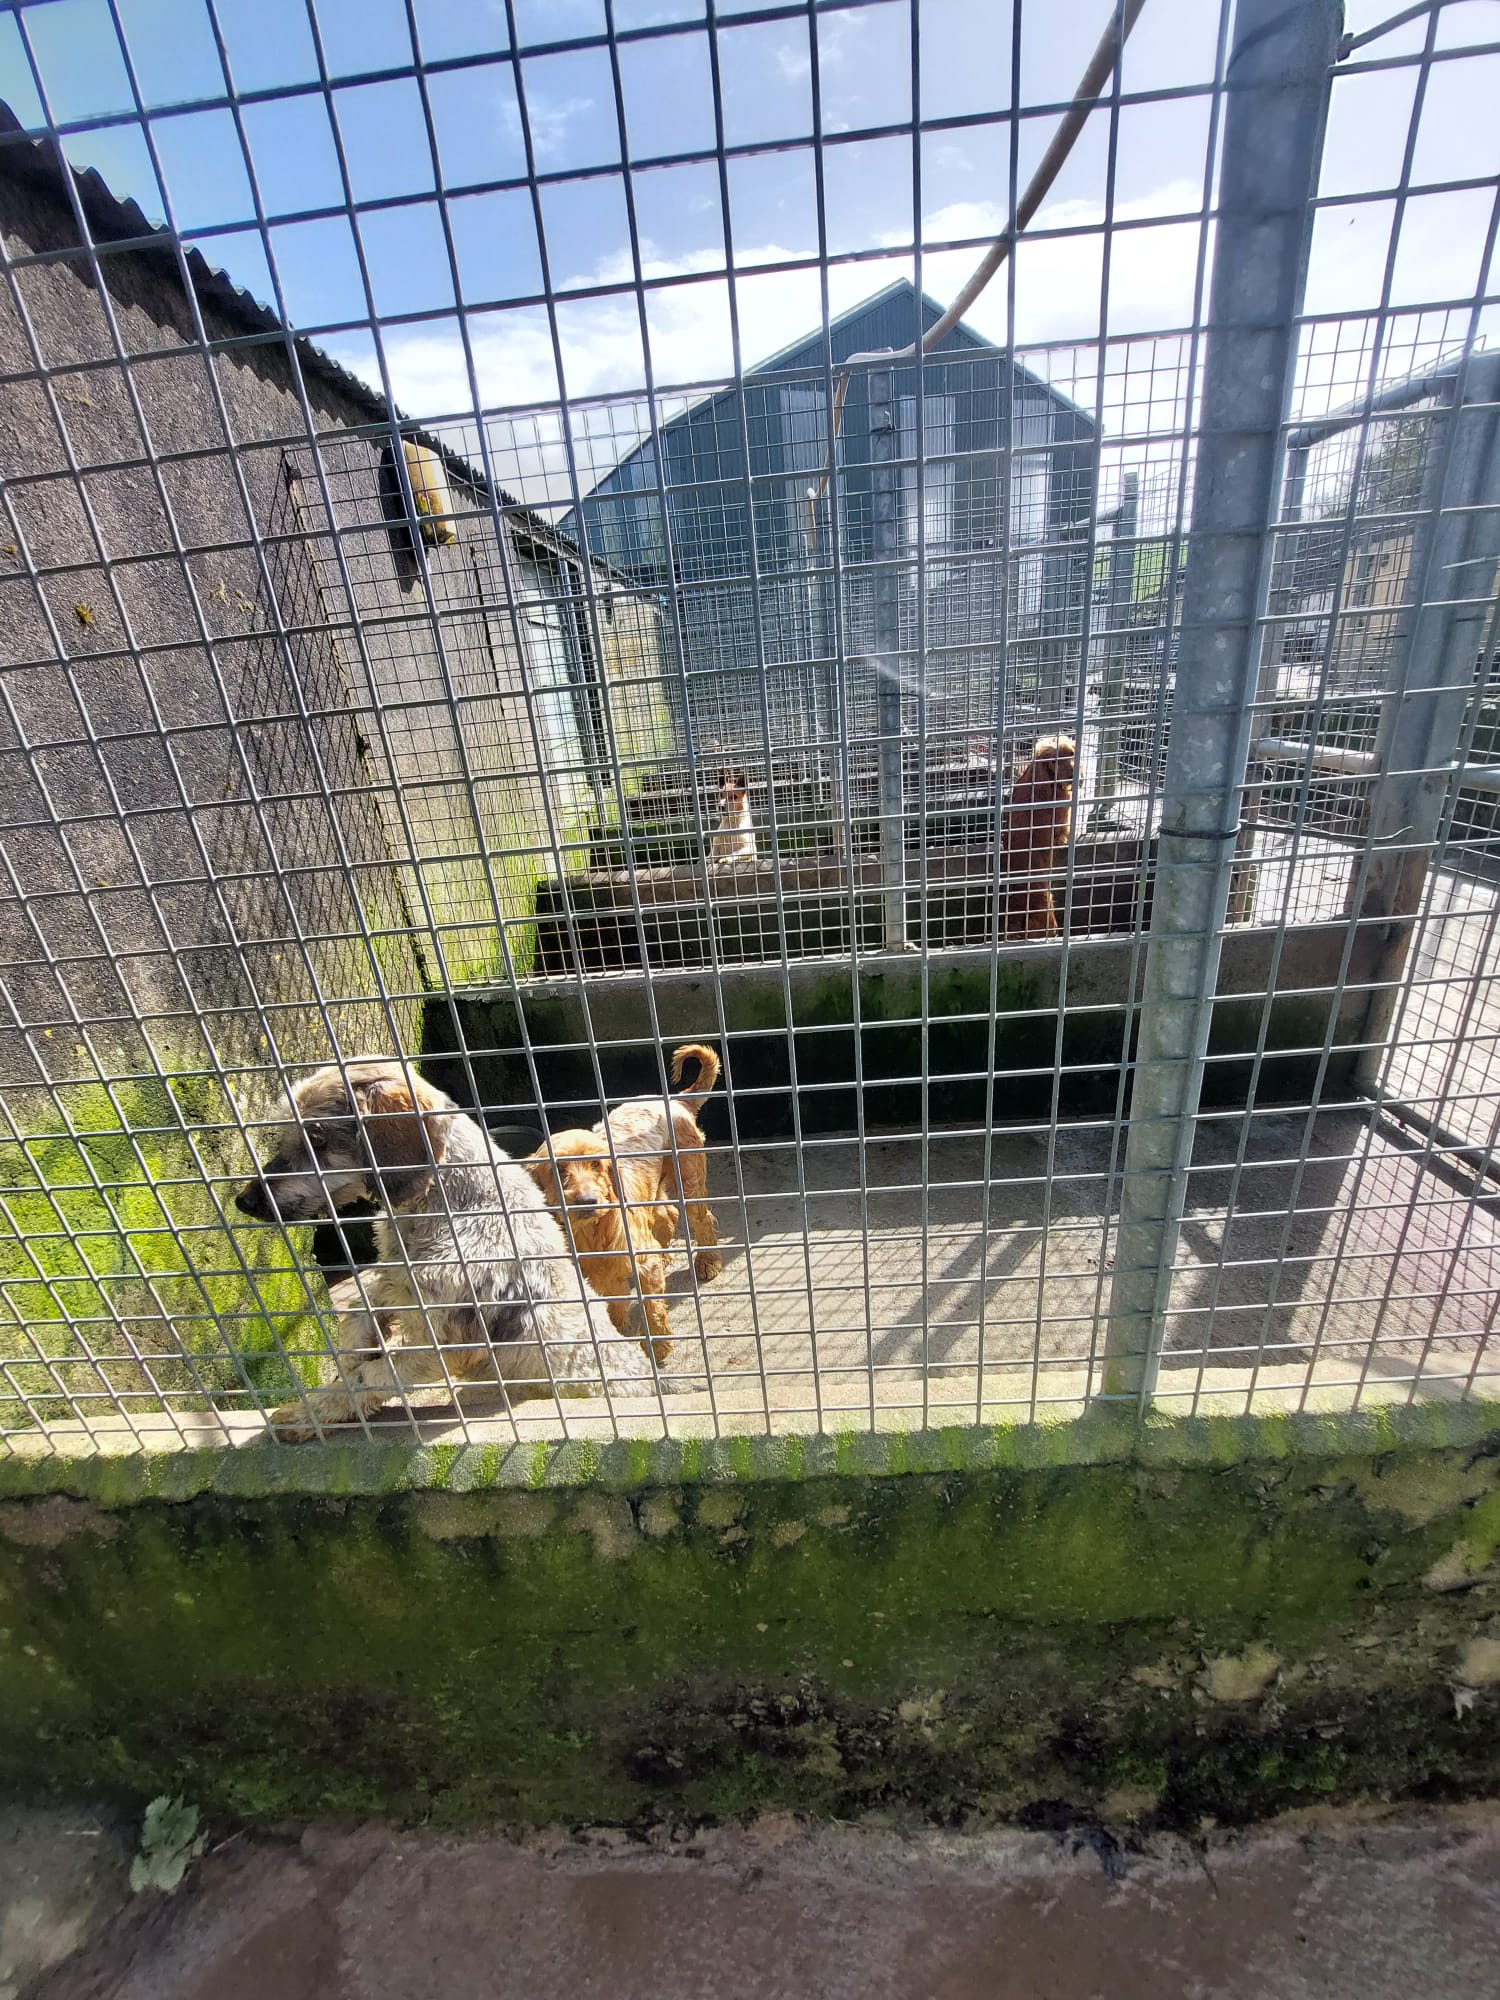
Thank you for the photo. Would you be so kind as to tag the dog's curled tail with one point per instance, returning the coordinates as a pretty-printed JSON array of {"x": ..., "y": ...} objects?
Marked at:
[{"x": 707, "y": 1075}]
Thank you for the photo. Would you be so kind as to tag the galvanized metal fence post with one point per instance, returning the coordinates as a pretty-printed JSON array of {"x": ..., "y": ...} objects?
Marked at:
[
  {"x": 1277, "y": 92},
  {"x": 1450, "y": 604},
  {"x": 885, "y": 497},
  {"x": 1116, "y": 651}
]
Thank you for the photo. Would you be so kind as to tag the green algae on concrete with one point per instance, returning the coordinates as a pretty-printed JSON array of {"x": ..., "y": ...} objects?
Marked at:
[
  {"x": 123, "y": 1274},
  {"x": 883, "y": 1032},
  {"x": 850, "y": 1037},
  {"x": 1154, "y": 1625}
]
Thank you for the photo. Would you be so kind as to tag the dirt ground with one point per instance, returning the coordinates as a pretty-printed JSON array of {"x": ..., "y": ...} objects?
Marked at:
[{"x": 1337, "y": 1907}]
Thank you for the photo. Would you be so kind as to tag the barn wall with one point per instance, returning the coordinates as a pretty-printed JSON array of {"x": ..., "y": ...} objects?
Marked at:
[
  {"x": 198, "y": 792},
  {"x": 762, "y": 635},
  {"x": 267, "y": 779}
]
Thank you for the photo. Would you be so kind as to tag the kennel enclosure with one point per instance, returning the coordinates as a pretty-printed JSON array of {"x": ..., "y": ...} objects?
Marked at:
[{"x": 308, "y": 758}]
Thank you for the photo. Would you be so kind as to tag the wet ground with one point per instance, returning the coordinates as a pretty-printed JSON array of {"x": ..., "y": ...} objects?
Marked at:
[{"x": 1403, "y": 1907}]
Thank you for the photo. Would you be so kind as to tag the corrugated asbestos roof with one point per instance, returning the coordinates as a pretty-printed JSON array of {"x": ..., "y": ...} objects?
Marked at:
[{"x": 115, "y": 219}]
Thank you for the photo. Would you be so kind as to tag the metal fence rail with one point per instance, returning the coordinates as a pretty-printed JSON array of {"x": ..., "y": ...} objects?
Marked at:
[{"x": 432, "y": 638}]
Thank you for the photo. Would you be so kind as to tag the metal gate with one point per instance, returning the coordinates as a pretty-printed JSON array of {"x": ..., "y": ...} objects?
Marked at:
[{"x": 1047, "y": 753}]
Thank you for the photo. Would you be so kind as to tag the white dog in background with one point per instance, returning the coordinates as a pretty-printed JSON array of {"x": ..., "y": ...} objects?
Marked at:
[{"x": 734, "y": 839}]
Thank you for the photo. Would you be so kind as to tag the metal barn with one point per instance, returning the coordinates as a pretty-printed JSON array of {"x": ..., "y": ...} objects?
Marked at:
[{"x": 728, "y": 508}]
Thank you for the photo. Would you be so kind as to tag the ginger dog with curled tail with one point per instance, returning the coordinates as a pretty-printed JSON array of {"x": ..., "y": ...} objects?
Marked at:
[{"x": 623, "y": 1183}]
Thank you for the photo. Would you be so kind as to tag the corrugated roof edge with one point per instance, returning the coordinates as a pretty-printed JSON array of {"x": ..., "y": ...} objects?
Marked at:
[{"x": 116, "y": 218}]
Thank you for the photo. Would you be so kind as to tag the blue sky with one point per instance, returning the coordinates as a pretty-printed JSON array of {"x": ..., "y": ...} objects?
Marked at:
[{"x": 864, "y": 60}]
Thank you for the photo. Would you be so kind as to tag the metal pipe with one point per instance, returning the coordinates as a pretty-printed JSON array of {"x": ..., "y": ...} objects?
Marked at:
[
  {"x": 1117, "y": 648},
  {"x": 1346, "y": 763},
  {"x": 885, "y": 476},
  {"x": 1277, "y": 88},
  {"x": 1333, "y": 757},
  {"x": 1420, "y": 730},
  {"x": 1399, "y": 396}
]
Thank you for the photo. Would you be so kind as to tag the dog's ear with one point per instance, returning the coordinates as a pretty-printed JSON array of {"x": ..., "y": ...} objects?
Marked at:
[
  {"x": 406, "y": 1125},
  {"x": 544, "y": 1174}
]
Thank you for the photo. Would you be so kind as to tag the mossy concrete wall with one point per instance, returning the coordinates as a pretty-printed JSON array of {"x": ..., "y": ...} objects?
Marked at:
[
  {"x": 1164, "y": 1624},
  {"x": 846, "y": 1040}
]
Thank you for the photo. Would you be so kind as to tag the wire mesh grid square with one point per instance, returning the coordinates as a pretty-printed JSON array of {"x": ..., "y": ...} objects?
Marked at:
[{"x": 494, "y": 583}]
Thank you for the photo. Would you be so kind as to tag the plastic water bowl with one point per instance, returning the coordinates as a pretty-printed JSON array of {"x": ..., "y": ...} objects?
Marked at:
[{"x": 517, "y": 1140}]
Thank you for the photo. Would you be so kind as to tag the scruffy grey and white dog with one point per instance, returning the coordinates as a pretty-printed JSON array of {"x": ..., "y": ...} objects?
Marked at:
[{"x": 474, "y": 1278}]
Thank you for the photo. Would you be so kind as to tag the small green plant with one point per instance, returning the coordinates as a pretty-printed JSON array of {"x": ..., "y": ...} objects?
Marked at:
[{"x": 169, "y": 1841}]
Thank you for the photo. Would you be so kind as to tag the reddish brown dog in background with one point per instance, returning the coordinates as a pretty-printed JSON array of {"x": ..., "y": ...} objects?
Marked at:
[
  {"x": 623, "y": 1210},
  {"x": 1035, "y": 828}
]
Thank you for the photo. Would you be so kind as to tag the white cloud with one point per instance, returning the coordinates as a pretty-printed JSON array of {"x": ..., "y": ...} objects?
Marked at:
[
  {"x": 1437, "y": 256},
  {"x": 793, "y": 59},
  {"x": 950, "y": 154},
  {"x": 1058, "y": 283},
  {"x": 689, "y": 332},
  {"x": 551, "y": 119}
]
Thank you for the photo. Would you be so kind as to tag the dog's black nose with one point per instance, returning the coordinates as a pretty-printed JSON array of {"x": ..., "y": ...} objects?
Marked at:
[{"x": 251, "y": 1200}]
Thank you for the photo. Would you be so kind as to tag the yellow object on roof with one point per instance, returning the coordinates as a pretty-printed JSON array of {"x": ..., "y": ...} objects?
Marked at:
[{"x": 429, "y": 490}]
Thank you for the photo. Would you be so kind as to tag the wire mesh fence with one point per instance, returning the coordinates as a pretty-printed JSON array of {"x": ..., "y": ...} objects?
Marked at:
[{"x": 508, "y": 577}]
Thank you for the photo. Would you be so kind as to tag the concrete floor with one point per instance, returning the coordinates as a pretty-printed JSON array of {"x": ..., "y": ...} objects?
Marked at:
[
  {"x": 1022, "y": 1263},
  {"x": 1445, "y": 1056},
  {"x": 1445, "y": 1049},
  {"x": 1332, "y": 1265},
  {"x": 1404, "y": 1907},
  {"x": 903, "y": 1283}
]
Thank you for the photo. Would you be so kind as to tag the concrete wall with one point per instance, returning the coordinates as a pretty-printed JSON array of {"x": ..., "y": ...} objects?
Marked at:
[
  {"x": 197, "y": 782},
  {"x": 1162, "y": 1626},
  {"x": 272, "y": 740},
  {"x": 964, "y": 1016},
  {"x": 270, "y": 770}
]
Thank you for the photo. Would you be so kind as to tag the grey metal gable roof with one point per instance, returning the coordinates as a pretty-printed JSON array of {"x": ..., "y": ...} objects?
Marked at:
[{"x": 807, "y": 353}]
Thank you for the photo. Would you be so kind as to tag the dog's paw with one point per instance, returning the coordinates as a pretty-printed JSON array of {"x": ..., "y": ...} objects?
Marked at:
[
  {"x": 660, "y": 1349},
  {"x": 708, "y": 1264},
  {"x": 299, "y": 1423},
  {"x": 684, "y": 1385},
  {"x": 289, "y": 1424}
]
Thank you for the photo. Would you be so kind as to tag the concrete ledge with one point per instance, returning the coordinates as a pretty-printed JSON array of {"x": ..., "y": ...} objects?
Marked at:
[
  {"x": 1190, "y": 1619},
  {"x": 950, "y": 1017},
  {"x": 180, "y": 1456}
]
